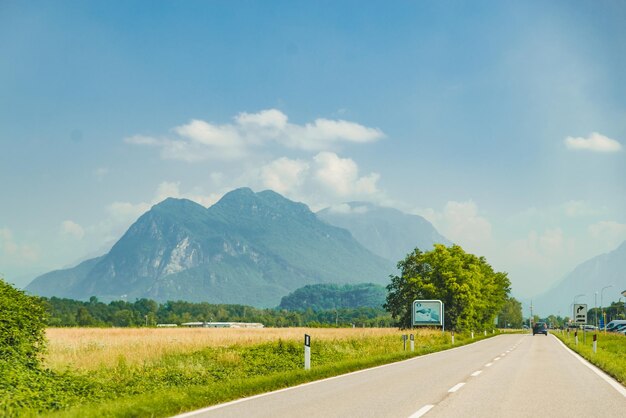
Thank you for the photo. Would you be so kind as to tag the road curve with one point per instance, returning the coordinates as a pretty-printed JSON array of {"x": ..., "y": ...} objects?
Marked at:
[{"x": 506, "y": 376}]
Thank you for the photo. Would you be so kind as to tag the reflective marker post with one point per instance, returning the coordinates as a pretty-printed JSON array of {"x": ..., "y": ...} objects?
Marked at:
[
  {"x": 404, "y": 337},
  {"x": 595, "y": 343},
  {"x": 412, "y": 342},
  {"x": 576, "y": 336},
  {"x": 307, "y": 352},
  {"x": 452, "y": 337}
]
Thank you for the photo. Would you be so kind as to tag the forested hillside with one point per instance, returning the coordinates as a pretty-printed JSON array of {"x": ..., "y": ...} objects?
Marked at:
[{"x": 331, "y": 296}]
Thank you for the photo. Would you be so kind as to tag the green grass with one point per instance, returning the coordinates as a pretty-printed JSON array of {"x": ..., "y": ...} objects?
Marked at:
[
  {"x": 610, "y": 355},
  {"x": 183, "y": 382}
]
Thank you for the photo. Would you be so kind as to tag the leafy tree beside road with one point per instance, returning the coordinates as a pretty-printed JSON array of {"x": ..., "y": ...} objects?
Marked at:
[
  {"x": 511, "y": 314},
  {"x": 472, "y": 292}
]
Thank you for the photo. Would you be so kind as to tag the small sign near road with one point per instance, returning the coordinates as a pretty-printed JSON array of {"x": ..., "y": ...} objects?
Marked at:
[
  {"x": 580, "y": 314},
  {"x": 427, "y": 312}
]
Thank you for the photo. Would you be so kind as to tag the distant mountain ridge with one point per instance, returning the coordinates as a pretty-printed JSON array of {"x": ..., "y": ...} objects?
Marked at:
[
  {"x": 387, "y": 232},
  {"x": 249, "y": 248},
  {"x": 587, "y": 278}
]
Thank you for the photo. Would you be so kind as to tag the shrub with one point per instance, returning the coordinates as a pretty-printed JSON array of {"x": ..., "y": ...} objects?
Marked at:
[{"x": 22, "y": 326}]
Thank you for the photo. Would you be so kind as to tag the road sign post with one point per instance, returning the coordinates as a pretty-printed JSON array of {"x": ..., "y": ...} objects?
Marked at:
[
  {"x": 428, "y": 313},
  {"x": 580, "y": 313}
]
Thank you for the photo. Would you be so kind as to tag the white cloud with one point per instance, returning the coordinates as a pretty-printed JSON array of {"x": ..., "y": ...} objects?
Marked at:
[
  {"x": 464, "y": 225},
  {"x": 199, "y": 140},
  {"x": 461, "y": 223},
  {"x": 595, "y": 142},
  {"x": 270, "y": 118},
  {"x": 12, "y": 252},
  {"x": 72, "y": 229},
  {"x": 340, "y": 176},
  {"x": 284, "y": 175},
  {"x": 322, "y": 133},
  {"x": 609, "y": 234}
]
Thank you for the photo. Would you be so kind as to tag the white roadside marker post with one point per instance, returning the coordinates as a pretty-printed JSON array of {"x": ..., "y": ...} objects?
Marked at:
[
  {"x": 307, "y": 352},
  {"x": 595, "y": 343},
  {"x": 576, "y": 336},
  {"x": 452, "y": 337},
  {"x": 404, "y": 337},
  {"x": 472, "y": 335},
  {"x": 412, "y": 342},
  {"x": 485, "y": 333}
]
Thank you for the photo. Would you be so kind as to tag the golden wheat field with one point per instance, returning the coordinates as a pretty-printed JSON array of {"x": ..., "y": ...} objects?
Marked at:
[{"x": 93, "y": 348}]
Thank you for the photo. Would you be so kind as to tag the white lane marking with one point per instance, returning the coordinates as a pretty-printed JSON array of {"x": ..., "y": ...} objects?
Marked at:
[
  {"x": 496, "y": 359},
  {"x": 597, "y": 371},
  {"x": 488, "y": 364},
  {"x": 422, "y": 411},
  {"x": 315, "y": 382},
  {"x": 456, "y": 387},
  {"x": 476, "y": 373},
  {"x": 503, "y": 355}
]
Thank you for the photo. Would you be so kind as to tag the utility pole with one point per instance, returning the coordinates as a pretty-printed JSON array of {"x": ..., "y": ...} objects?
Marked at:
[
  {"x": 595, "y": 300},
  {"x": 530, "y": 322},
  {"x": 602, "y": 307}
]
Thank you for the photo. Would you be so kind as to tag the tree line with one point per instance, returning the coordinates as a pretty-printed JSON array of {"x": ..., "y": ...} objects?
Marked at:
[{"x": 145, "y": 312}]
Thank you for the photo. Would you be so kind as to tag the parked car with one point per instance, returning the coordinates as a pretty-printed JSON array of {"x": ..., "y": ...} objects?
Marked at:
[
  {"x": 614, "y": 323},
  {"x": 619, "y": 328},
  {"x": 590, "y": 328},
  {"x": 540, "y": 328}
]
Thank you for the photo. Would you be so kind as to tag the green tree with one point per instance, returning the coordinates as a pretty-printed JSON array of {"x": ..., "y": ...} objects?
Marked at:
[
  {"x": 472, "y": 292},
  {"x": 511, "y": 314}
]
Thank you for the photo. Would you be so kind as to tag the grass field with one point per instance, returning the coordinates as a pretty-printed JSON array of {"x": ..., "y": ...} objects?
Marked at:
[
  {"x": 610, "y": 355},
  {"x": 97, "y": 348},
  {"x": 129, "y": 372}
]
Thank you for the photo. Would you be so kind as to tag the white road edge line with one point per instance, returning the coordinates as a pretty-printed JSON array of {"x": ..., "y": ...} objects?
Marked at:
[
  {"x": 476, "y": 373},
  {"x": 488, "y": 364},
  {"x": 496, "y": 359},
  {"x": 422, "y": 411},
  {"x": 456, "y": 387},
  {"x": 314, "y": 382},
  {"x": 621, "y": 389}
]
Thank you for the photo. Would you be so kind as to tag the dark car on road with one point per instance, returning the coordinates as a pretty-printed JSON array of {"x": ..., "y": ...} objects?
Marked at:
[{"x": 540, "y": 328}]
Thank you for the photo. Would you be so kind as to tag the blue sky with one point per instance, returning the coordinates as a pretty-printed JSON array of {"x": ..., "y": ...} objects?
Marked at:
[{"x": 504, "y": 123}]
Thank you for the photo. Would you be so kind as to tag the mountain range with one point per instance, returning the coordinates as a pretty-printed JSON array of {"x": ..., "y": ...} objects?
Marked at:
[
  {"x": 387, "y": 232},
  {"x": 584, "y": 281},
  {"x": 248, "y": 248}
]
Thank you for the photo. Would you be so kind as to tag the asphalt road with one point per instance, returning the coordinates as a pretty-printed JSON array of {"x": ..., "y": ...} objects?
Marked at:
[{"x": 505, "y": 376}]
